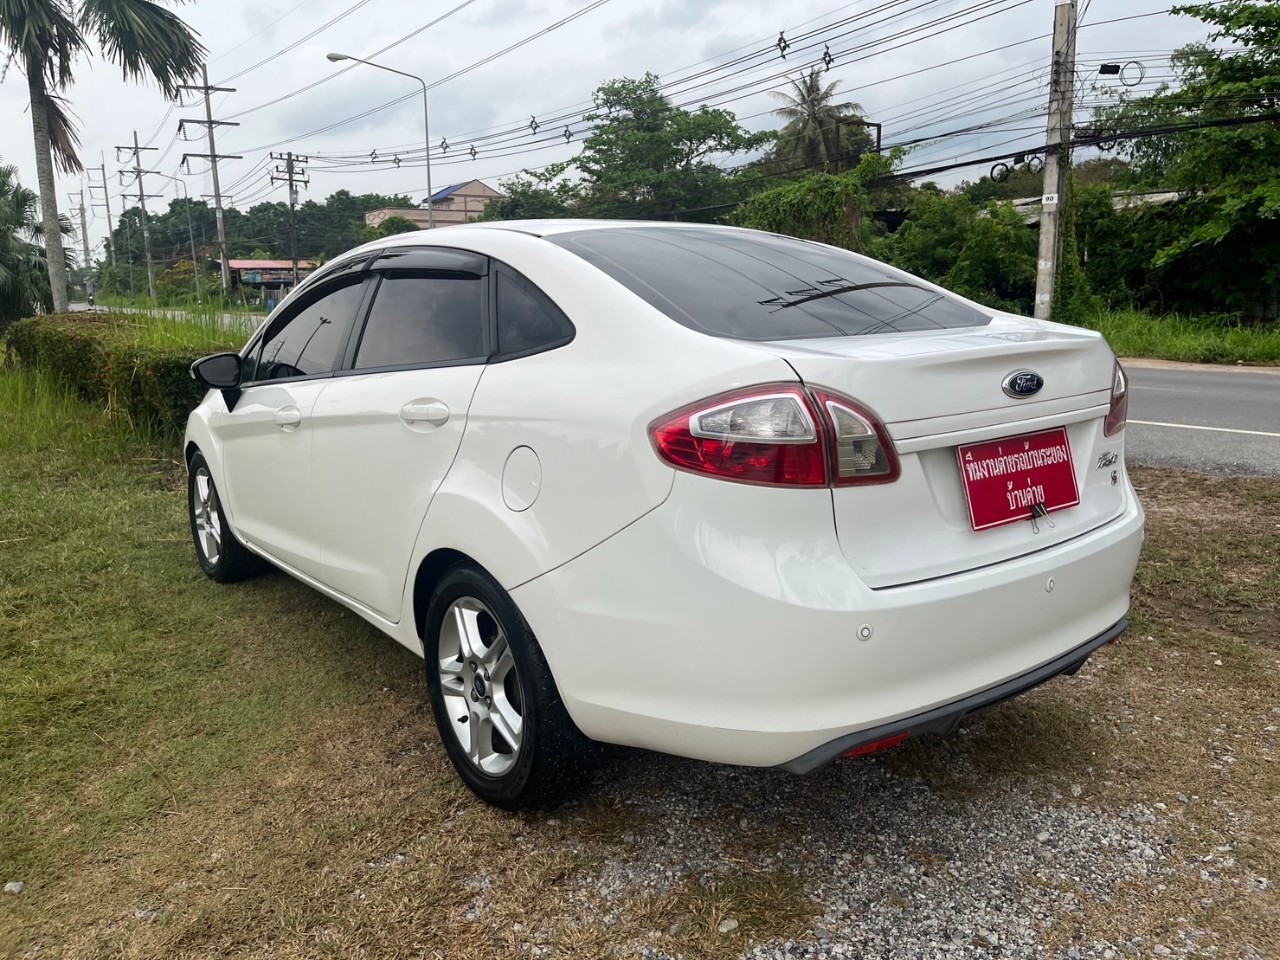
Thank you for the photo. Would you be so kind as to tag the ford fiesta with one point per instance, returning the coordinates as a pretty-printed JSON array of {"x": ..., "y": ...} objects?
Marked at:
[{"x": 708, "y": 491}]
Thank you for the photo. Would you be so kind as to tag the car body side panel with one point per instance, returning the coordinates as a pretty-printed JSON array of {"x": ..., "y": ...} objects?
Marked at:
[{"x": 583, "y": 410}]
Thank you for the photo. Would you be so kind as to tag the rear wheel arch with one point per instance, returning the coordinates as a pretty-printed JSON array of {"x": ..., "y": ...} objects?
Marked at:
[
  {"x": 191, "y": 450},
  {"x": 430, "y": 570}
]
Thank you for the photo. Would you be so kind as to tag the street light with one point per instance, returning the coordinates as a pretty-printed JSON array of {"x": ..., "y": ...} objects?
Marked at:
[
  {"x": 426, "y": 123},
  {"x": 190, "y": 231}
]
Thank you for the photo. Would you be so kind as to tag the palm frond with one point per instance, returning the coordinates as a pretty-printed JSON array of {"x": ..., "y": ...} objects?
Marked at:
[
  {"x": 64, "y": 139},
  {"x": 144, "y": 40},
  {"x": 42, "y": 35}
]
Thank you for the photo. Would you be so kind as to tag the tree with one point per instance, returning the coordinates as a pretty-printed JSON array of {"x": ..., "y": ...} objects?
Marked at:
[
  {"x": 825, "y": 207},
  {"x": 393, "y": 225},
  {"x": 24, "y": 274},
  {"x": 45, "y": 37},
  {"x": 535, "y": 195},
  {"x": 811, "y": 117},
  {"x": 647, "y": 158},
  {"x": 985, "y": 253},
  {"x": 1226, "y": 170}
]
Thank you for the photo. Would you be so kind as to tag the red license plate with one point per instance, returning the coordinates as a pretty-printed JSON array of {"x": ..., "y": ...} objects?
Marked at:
[{"x": 1005, "y": 479}]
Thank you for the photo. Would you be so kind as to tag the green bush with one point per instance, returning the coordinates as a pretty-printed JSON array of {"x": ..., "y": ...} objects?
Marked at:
[{"x": 110, "y": 360}]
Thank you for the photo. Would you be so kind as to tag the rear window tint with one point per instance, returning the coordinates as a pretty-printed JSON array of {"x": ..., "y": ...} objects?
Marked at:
[{"x": 757, "y": 286}]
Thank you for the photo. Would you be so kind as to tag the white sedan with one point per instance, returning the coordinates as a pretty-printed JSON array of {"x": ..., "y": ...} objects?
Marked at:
[{"x": 714, "y": 492}]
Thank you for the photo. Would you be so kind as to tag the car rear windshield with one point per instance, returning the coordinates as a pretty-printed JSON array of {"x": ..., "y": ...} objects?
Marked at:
[{"x": 758, "y": 286}]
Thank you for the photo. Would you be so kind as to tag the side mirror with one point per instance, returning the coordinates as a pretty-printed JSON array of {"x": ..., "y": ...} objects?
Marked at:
[{"x": 222, "y": 371}]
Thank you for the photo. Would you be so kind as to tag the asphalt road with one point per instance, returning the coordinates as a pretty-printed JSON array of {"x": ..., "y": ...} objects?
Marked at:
[{"x": 1223, "y": 420}]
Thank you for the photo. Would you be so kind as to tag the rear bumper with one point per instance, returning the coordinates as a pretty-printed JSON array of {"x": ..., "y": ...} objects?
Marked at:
[
  {"x": 729, "y": 627},
  {"x": 946, "y": 718}
]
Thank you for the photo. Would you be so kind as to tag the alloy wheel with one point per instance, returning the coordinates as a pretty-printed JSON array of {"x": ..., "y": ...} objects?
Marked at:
[
  {"x": 481, "y": 687},
  {"x": 208, "y": 521}
]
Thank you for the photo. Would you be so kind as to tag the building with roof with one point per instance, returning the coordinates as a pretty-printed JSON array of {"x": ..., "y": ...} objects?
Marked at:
[{"x": 454, "y": 204}]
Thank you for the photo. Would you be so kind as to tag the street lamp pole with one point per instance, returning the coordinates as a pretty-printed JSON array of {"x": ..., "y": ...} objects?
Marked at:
[{"x": 426, "y": 122}]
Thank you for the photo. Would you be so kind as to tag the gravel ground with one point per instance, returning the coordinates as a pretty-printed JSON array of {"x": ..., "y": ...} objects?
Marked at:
[{"x": 897, "y": 869}]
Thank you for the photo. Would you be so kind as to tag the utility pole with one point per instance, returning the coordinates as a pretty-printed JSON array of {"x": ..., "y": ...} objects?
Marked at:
[
  {"x": 106, "y": 202},
  {"x": 142, "y": 203},
  {"x": 292, "y": 176},
  {"x": 213, "y": 157},
  {"x": 1057, "y": 154},
  {"x": 84, "y": 232}
]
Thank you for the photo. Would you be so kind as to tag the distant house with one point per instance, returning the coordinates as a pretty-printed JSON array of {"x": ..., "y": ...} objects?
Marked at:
[{"x": 456, "y": 204}]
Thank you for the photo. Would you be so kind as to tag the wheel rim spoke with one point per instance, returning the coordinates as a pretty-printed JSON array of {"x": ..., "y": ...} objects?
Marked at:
[{"x": 475, "y": 670}]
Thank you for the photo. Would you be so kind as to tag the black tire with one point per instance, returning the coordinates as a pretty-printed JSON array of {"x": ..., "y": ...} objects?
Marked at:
[
  {"x": 231, "y": 560},
  {"x": 552, "y": 754}
]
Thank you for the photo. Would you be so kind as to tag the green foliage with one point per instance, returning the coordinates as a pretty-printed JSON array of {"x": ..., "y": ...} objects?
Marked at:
[
  {"x": 1136, "y": 333},
  {"x": 115, "y": 361},
  {"x": 1228, "y": 174},
  {"x": 24, "y": 274},
  {"x": 647, "y": 158},
  {"x": 535, "y": 195},
  {"x": 177, "y": 284},
  {"x": 1072, "y": 294},
  {"x": 829, "y": 208},
  {"x": 394, "y": 225},
  {"x": 259, "y": 233},
  {"x": 986, "y": 253}
]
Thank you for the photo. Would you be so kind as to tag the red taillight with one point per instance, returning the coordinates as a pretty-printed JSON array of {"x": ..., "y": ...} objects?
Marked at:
[
  {"x": 875, "y": 746},
  {"x": 1119, "y": 412},
  {"x": 778, "y": 435},
  {"x": 767, "y": 435}
]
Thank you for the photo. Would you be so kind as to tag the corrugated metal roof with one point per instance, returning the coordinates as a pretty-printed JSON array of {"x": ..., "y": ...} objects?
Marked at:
[{"x": 267, "y": 264}]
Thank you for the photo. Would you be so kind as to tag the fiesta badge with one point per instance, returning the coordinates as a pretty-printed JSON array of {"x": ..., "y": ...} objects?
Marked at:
[{"x": 1022, "y": 384}]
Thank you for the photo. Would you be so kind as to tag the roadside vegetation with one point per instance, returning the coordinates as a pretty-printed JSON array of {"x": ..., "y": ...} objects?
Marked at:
[{"x": 193, "y": 769}]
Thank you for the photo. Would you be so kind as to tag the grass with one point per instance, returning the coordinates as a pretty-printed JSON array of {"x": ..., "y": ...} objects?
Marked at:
[
  {"x": 1133, "y": 333},
  {"x": 196, "y": 770}
]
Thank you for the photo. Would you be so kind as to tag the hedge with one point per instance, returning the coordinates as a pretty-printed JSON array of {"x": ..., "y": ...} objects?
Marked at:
[{"x": 101, "y": 361}]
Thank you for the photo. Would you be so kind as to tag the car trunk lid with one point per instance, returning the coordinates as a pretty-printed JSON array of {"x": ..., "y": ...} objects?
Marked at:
[{"x": 936, "y": 392}]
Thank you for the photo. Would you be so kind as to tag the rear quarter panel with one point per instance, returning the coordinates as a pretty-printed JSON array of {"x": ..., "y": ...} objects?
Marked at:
[{"x": 584, "y": 409}]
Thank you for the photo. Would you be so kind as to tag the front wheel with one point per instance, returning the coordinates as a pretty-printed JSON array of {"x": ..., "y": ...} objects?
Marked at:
[
  {"x": 500, "y": 716},
  {"x": 222, "y": 557}
]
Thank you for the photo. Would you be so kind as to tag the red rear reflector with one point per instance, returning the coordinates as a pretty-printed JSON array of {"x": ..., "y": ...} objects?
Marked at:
[{"x": 875, "y": 746}]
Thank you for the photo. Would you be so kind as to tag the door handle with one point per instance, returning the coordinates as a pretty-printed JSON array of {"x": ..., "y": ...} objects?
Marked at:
[
  {"x": 425, "y": 411},
  {"x": 287, "y": 418}
]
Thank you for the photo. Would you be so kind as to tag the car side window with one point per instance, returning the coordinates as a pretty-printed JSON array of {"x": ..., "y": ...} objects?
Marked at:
[
  {"x": 418, "y": 319},
  {"x": 527, "y": 319},
  {"x": 306, "y": 342}
]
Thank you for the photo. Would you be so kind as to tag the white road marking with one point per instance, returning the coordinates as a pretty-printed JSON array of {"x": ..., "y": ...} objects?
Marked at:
[{"x": 1192, "y": 426}]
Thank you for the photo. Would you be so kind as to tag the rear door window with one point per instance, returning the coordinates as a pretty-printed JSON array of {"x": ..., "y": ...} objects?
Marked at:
[
  {"x": 758, "y": 286},
  {"x": 419, "y": 320}
]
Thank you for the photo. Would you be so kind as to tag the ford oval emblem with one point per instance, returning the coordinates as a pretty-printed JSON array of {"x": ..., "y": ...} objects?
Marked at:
[{"x": 1022, "y": 384}]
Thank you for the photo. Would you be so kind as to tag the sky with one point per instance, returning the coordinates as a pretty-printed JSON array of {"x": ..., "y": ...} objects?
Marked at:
[{"x": 924, "y": 68}]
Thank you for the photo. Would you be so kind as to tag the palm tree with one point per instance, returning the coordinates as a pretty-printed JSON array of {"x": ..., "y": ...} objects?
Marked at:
[
  {"x": 24, "y": 274},
  {"x": 811, "y": 117},
  {"x": 45, "y": 37}
]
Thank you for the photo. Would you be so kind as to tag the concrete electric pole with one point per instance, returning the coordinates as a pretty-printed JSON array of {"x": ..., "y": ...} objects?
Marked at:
[
  {"x": 142, "y": 204},
  {"x": 213, "y": 157},
  {"x": 106, "y": 203},
  {"x": 292, "y": 175},
  {"x": 1057, "y": 155}
]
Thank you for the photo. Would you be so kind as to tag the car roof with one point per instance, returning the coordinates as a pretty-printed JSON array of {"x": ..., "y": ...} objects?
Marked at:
[{"x": 537, "y": 228}]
